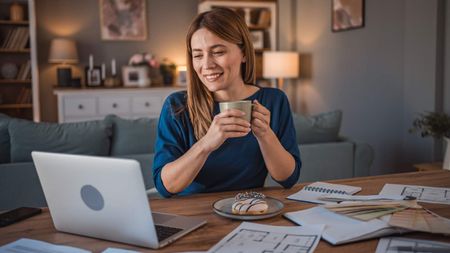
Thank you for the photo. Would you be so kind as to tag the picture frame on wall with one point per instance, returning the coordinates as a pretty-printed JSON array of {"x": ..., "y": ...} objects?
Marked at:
[
  {"x": 257, "y": 38},
  {"x": 347, "y": 15},
  {"x": 123, "y": 20},
  {"x": 93, "y": 76}
]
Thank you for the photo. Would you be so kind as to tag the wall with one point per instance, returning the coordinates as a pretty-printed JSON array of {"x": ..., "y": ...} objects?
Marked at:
[
  {"x": 380, "y": 75},
  {"x": 167, "y": 22}
]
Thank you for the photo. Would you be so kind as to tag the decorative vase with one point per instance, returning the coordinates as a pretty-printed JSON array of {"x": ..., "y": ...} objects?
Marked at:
[
  {"x": 446, "y": 164},
  {"x": 16, "y": 12}
]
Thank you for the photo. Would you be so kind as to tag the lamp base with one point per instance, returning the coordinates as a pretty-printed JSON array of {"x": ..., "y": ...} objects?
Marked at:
[{"x": 64, "y": 76}]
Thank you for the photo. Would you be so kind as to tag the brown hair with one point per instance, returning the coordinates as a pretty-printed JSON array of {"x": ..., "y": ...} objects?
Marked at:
[{"x": 227, "y": 25}]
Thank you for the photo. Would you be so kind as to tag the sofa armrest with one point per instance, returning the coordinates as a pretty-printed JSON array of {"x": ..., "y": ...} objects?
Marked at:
[
  {"x": 364, "y": 156},
  {"x": 20, "y": 186}
]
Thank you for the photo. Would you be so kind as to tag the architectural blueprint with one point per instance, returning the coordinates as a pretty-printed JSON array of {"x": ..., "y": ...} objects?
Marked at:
[
  {"x": 258, "y": 238},
  {"x": 438, "y": 195},
  {"x": 406, "y": 245}
]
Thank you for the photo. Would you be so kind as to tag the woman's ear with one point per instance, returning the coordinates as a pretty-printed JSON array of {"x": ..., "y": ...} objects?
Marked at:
[{"x": 244, "y": 59}]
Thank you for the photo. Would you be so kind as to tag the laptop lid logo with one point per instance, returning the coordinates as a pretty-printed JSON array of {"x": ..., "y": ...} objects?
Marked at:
[{"x": 92, "y": 197}]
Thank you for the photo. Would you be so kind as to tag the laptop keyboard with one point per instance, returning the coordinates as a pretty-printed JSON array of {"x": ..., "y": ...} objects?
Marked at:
[{"x": 164, "y": 232}]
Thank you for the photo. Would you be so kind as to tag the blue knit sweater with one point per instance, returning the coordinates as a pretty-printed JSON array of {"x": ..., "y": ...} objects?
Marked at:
[{"x": 238, "y": 163}]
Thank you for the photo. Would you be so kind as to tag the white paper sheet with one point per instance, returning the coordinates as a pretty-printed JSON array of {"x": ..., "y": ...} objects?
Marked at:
[
  {"x": 387, "y": 245},
  {"x": 116, "y": 250},
  {"x": 257, "y": 238},
  {"x": 25, "y": 245},
  {"x": 427, "y": 194},
  {"x": 340, "y": 229}
]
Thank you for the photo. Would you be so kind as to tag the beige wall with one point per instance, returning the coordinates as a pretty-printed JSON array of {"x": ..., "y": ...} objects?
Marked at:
[{"x": 167, "y": 22}]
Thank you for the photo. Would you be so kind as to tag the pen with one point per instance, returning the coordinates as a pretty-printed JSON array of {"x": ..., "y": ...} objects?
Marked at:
[{"x": 419, "y": 249}]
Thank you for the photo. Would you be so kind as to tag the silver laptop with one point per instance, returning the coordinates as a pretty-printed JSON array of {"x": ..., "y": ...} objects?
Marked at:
[{"x": 105, "y": 198}]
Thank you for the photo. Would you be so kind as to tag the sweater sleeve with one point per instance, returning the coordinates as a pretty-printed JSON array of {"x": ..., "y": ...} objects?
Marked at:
[
  {"x": 285, "y": 131},
  {"x": 169, "y": 144}
]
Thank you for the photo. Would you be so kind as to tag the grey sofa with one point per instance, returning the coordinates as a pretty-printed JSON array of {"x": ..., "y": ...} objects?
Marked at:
[{"x": 324, "y": 154}]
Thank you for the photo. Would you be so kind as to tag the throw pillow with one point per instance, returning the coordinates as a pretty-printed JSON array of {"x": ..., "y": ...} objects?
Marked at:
[
  {"x": 87, "y": 138},
  {"x": 4, "y": 139},
  {"x": 319, "y": 128},
  {"x": 132, "y": 136}
]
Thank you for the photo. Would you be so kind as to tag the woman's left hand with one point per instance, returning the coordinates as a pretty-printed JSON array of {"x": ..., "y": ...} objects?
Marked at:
[{"x": 260, "y": 120}]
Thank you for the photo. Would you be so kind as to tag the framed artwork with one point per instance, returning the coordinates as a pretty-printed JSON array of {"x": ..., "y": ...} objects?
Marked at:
[
  {"x": 347, "y": 14},
  {"x": 257, "y": 38},
  {"x": 135, "y": 76},
  {"x": 123, "y": 19},
  {"x": 93, "y": 77}
]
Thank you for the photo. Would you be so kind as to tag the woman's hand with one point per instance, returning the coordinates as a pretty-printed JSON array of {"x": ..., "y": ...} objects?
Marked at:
[
  {"x": 228, "y": 124},
  {"x": 260, "y": 120}
]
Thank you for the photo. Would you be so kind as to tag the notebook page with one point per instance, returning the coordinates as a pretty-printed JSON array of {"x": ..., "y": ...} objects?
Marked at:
[{"x": 312, "y": 192}]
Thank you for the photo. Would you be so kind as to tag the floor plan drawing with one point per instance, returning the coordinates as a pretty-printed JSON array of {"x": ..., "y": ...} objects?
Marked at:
[
  {"x": 439, "y": 195},
  {"x": 260, "y": 239}
]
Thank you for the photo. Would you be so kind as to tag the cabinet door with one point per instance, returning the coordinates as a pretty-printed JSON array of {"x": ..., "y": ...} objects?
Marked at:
[
  {"x": 113, "y": 105},
  {"x": 79, "y": 107},
  {"x": 146, "y": 105}
]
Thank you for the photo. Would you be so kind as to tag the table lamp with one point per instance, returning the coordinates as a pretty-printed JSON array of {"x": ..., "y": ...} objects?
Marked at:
[
  {"x": 63, "y": 51},
  {"x": 280, "y": 65}
]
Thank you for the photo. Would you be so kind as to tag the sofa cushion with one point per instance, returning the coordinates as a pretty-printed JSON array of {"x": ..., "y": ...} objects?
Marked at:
[
  {"x": 132, "y": 136},
  {"x": 146, "y": 162},
  {"x": 89, "y": 138},
  {"x": 4, "y": 139},
  {"x": 318, "y": 128}
]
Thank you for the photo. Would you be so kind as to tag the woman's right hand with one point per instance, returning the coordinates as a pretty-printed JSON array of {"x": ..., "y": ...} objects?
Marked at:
[{"x": 228, "y": 124}]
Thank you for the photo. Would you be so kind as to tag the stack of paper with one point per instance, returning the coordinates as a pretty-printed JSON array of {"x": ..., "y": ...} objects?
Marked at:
[{"x": 369, "y": 210}]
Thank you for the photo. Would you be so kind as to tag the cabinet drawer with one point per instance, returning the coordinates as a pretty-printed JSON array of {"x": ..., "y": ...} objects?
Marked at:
[
  {"x": 113, "y": 105},
  {"x": 146, "y": 105},
  {"x": 79, "y": 107}
]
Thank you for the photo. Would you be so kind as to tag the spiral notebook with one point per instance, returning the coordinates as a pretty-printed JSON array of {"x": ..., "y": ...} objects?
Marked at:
[{"x": 312, "y": 192}]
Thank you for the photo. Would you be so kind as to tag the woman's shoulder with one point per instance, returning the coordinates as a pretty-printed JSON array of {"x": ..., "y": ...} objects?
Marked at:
[
  {"x": 271, "y": 93},
  {"x": 178, "y": 97}
]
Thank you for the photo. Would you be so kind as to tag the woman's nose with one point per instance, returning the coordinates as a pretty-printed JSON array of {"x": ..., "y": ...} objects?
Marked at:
[{"x": 209, "y": 62}]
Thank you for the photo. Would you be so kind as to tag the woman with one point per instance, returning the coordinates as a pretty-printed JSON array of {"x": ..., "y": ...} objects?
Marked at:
[{"x": 199, "y": 149}]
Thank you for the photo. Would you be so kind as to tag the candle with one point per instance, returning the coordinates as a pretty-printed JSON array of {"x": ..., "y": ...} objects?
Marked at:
[
  {"x": 103, "y": 71},
  {"x": 113, "y": 67},
  {"x": 91, "y": 62}
]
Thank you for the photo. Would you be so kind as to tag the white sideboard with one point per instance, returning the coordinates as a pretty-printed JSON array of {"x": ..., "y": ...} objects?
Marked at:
[{"x": 92, "y": 104}]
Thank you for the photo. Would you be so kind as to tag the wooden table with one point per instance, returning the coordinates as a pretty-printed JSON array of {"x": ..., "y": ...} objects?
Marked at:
[
  {"x": 41, "y": 227},
  {"x": 428, "y": 166}
]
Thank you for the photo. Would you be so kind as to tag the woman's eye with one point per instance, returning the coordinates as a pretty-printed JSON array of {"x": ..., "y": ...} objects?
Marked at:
[
  {"x": 198, "y": 56},
  {"x": 219, "y": 53}
]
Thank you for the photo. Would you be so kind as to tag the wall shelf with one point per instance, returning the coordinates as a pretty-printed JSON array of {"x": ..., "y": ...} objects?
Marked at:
[
  {"x": 7, "y": 81},
  {"x": 20, "y": 96},
  {"x": 16, "y": 106},
  {"x": 9, "y": 22},
  {"x": 14, "y": 51}
]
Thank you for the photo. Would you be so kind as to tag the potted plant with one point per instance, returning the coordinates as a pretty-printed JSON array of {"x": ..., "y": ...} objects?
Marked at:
[{"x": 436, "y": 125}]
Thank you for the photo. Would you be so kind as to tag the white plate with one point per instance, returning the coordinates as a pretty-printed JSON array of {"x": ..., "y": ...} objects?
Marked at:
[{"x": 223, "y": 208}]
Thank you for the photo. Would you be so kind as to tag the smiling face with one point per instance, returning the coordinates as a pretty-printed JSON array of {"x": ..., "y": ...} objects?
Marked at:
[{"x": 217, "y": 62}]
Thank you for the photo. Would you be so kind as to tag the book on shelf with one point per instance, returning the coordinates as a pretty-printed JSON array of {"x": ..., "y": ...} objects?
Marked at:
[
  {"x": 16, "y": 38},
  {"x": 24, "y": 96},
  {"x": 24, "y": 71},
  {"x": 264, "y": 18}
]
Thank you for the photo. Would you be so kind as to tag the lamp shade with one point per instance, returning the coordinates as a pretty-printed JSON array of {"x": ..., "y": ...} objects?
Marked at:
[
  {"x": 63, "y": 51},
  {"x": 278, "y": 64}
]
